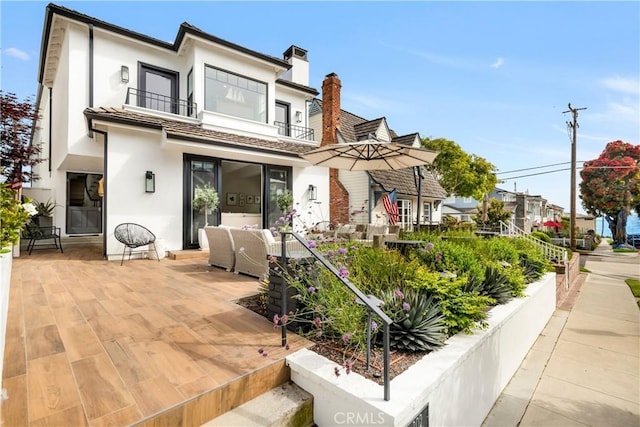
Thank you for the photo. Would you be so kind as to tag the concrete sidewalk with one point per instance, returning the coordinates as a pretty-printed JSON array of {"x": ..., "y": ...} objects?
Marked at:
[{"x": 584, "y": 369}]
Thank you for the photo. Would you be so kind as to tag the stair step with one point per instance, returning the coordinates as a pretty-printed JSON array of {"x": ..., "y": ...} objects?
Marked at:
[
  {"x": 286, "y": 405},
  {"x": 188, "y": 253}
]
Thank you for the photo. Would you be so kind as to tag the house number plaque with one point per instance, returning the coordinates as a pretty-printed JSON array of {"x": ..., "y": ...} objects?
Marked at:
[{"x": 422, "y": 420}]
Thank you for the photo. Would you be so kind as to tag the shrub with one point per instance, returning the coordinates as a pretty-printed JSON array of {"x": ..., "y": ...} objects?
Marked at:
[{"x": 541, "y": 236}]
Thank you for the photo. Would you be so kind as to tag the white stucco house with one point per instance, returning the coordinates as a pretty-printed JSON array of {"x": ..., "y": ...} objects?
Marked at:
[
  {"x": 130, "y": 125},
  {"x": 361, "y": 191}
]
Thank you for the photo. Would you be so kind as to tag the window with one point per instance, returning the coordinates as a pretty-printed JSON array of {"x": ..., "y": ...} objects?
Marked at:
[
  {"x": 235, "y": 95},
  {"x": 158, "y": 89},
  {"x": 426, "y": 213},
  {"x": 282, "y": 118},
  {"x": 405, "y": 212}
]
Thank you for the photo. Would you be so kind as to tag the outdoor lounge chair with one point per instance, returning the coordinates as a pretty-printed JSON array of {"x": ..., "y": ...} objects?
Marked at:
[
  {"x": 221, "y": 247},
  {"x": 133, "y": 236}
]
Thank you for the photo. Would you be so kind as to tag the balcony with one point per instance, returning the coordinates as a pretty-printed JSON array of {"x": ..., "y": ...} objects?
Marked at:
[
  {"x": 294, "y": 131},
  {"x": 159, "y": 102}
]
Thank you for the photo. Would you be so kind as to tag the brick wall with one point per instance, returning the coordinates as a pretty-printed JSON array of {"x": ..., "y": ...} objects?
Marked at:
[
  {"x": 338, "y": 195},
  {"x": 561, "y": 287}
]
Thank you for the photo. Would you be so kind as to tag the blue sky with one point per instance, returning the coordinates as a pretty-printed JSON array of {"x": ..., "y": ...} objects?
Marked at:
[{"x": 495, "y": 77}]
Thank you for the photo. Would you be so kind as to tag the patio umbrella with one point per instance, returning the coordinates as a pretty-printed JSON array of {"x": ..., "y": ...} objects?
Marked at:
[{"x": 369, "y": 155}]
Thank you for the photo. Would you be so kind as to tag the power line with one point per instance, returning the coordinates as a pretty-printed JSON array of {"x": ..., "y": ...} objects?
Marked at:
[
  {"x": 565, "y": 169},
  {"x": 536, "y": 167}
]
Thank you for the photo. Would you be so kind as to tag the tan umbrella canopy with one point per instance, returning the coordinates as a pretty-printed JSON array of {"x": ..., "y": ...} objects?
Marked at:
[{"x": 369, "y": 155}]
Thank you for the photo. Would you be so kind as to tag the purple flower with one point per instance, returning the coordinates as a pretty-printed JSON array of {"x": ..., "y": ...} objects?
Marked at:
[
  {"x": 346, "y": 336},
  {"x": 311, "y": 244},
  {"x": 438, "y": 257},
  {"x": 429, "y": 246},
  {"x": 406, "y": 306},
  {"x": 374, "y": 325},
  {"x": 284, "y": 319},
  {"x": 276, "y": 319},
  {"x": 342, "y": 251},
  {"x": 398, "y": 293},
  {"x": 329, "y": 253},
  {"x": 343, "y": 272},
  {"x": 311, "y": 289}
]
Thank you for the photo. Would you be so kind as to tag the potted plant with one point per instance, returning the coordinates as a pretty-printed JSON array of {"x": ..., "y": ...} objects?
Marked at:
[
  {"x": 44, "y": 215},
  {"x": 205, "y": 199}
]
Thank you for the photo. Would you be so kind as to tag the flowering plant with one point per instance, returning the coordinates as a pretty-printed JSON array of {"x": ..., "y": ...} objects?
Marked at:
[{"x": 14, "y": 215}]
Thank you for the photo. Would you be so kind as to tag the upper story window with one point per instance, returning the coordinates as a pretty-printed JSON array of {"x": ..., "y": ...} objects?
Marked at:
[{"x": 235, "y": 95}]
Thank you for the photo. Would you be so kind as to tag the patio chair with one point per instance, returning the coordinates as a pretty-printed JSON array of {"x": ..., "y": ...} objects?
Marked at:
[
  {"x": 37, "y": 234},
  {"x": 133, "y": 236}
]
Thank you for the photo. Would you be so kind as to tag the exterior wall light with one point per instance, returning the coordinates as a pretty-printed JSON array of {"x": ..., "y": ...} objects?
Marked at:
[
  {"x": 298, "y": 116},
  {"x": 149, "y": 182},
  {"x": 313, "y": 192},
  {"x": 124, "y": 74}
]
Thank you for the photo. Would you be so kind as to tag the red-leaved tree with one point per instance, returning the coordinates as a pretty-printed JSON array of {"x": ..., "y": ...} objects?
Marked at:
[
  {"x": 610, "y": 186},
  {"x": 17, "y": 154}
]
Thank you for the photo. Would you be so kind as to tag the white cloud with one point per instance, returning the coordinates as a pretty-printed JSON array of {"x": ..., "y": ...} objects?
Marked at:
[
  {"x": 499, "y": 63},
  {"x": 629, "y": 85},
  {"x": 17, "y": 53}
]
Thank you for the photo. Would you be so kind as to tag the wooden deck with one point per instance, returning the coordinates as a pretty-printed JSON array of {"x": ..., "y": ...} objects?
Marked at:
[{"x": 93, "y": 343}]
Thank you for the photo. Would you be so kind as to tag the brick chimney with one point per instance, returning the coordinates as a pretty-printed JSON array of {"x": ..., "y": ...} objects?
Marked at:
[{"x": 338, "y": 195}]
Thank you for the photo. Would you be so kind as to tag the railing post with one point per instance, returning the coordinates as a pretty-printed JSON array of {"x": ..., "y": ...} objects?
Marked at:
[{"x": 285, "y": 287}]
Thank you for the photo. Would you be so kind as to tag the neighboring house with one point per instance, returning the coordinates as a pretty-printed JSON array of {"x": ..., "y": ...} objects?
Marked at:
[
  {"x": 461, "y": 208},
  {"x": 357, "y": 195},
  {"x": 527, "y": 212},
  {"x": 130, "y": 125}
]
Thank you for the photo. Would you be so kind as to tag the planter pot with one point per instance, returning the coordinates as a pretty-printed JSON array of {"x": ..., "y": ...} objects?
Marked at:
[
  {"x": 44, "y": 221},
  {"x": 202, "y": 239},
  {"x": 6, "y": 261}
]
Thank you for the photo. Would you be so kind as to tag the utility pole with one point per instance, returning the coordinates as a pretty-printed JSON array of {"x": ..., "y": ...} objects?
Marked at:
[{"x": 573, "y": 125}]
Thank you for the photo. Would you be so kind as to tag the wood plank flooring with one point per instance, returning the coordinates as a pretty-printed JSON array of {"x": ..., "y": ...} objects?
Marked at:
[{"x": 93, "y": 343}]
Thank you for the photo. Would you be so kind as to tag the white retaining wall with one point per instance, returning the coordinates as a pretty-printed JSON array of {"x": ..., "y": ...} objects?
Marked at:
[{"x": 460, "y": 382}]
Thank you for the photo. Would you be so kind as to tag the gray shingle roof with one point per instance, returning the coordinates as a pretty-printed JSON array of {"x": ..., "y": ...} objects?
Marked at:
[
  {"x": 362, "y": 130},
  {"x": 404, "y": 182},
  {"x": 194, "y": 132}
]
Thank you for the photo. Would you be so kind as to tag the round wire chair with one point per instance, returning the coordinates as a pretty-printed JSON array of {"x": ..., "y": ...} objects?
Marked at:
[{"x": 133, "y": 236}]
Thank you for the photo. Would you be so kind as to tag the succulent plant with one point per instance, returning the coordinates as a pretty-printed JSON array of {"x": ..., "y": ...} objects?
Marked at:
[
  {"x": 419, "y": 325},
  {"x": 496, "y": 285}
]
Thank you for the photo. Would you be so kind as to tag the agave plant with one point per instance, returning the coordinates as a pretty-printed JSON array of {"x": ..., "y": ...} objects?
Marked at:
[
  {"x": 418, "y": 323},
  {"x": 496, "y": 285}
]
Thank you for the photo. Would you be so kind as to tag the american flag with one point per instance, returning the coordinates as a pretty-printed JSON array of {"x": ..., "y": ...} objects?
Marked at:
[{"x": 389, "y": 201}]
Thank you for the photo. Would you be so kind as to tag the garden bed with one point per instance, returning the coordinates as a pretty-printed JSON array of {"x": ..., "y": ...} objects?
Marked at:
[{"x": 459, "y": 383}]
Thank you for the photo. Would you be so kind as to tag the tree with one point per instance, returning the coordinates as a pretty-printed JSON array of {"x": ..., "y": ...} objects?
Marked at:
[
  {"x": 495, "y": 213},
  {"x": 18, "y": 155},
  {"x": 610, "y": 186},
  {"x": 458, "y": 172}
]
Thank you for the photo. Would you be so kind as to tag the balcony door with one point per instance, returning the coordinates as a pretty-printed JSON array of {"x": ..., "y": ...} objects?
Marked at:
[
  {"x": 282, "y": 118},
  {"x": 158, "y": 89}
]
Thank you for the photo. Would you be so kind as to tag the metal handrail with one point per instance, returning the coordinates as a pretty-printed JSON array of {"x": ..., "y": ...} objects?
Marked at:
[
  {"x": 294, "y": 131},
  {"x": 160, "y": 102},
  {"x": 386, "y": 320}
]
